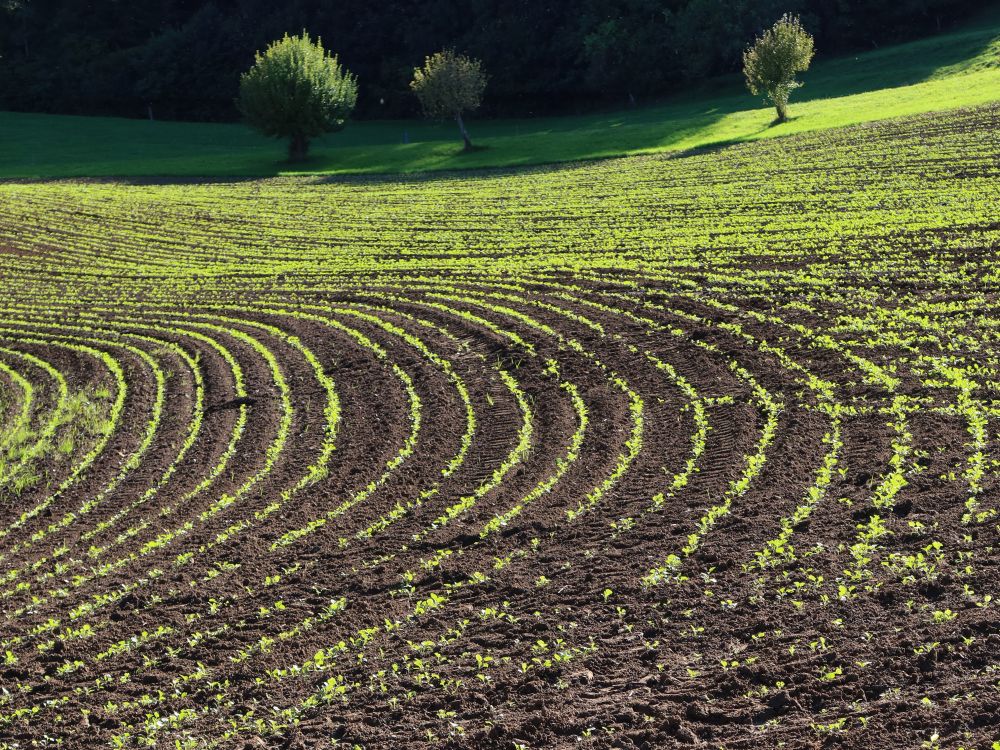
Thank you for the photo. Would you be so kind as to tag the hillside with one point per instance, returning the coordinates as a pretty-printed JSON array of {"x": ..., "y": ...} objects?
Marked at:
[
  {"x": 643, "y": 430},
  {"x": 954, "y": 70},
  {"x": 460, "y": 460}
]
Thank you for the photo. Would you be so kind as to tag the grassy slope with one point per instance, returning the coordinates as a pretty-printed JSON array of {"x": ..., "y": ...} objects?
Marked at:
[{"x": 946, "y": 71}]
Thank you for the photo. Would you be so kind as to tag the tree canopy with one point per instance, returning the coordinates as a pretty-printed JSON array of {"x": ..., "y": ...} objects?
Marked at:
[
  {"x": 296, "y": 90},
  {"x": 449, "y": 85},
  {"x": 771, "y": 64}
]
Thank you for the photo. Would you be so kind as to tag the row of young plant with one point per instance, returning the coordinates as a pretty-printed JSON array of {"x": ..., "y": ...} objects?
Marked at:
[
  {"x": 103, "y": 427},
  {"x": 95, "y": 553},
  {"x": 102, "y": 601},
  {"x": 824, "y": 393},
  {"x": 343, "y": 686},
  {"x": 225, "y": 501},
  {"x": 132, "y": 463},
  {"x": 433, "y": 601},
  {"x": 424, "y": 605},
  {"x": 23, "y": 445}
]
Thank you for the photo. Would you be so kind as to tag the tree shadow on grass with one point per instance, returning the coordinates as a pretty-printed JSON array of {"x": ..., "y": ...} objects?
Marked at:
[{"x": 123, "y": 150}]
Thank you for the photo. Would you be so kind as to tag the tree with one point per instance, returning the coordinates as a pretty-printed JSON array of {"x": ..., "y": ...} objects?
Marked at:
[
  {"x": 449, "y": 85},
  {"x": 296, "y": 90},
  {"x": 771, "y": 63}
]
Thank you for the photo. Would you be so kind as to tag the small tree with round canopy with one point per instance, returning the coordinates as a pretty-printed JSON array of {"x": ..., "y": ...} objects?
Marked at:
[
  {"x": 771, "y": 63},
  {"x": 296, "y": 90},
  {"x": 449, "y": 84}
]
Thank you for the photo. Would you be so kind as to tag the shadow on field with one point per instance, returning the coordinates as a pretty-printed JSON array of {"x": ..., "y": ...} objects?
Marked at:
[{"x": 718, "y": 113}]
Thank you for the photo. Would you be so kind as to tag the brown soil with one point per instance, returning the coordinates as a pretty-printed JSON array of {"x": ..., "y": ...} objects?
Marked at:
[{"x": 186, "y": 603}]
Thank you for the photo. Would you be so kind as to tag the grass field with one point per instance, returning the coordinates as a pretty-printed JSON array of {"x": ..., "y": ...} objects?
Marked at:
[
  {"x": 459, "y": 461},
  {"x": 953, "y": 70}
]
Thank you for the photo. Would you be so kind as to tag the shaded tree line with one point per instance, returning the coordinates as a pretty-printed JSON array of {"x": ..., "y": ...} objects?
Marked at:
[{"x": 183, "y": 58}]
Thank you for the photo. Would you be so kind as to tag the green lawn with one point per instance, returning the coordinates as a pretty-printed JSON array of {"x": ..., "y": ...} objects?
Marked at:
[{"x": 951, "y": 70}]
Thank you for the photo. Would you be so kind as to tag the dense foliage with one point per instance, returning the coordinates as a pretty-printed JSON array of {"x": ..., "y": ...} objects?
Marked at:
[
  {"x": 771, "y": 64},
  {"x": 296, "y": 90},
  {"x": 182, "y": 58},
  {"x": 449, "y": 84}
]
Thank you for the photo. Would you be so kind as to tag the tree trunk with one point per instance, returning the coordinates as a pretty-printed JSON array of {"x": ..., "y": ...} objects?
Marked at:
[
  {"x": 464, "y": 132},
  {"x": 780, "y": 99},
  {"x": 298, "y": 148}
]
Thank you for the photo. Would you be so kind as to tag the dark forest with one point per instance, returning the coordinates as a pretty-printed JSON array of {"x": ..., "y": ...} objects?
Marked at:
[{"x": 181, "y": 59}]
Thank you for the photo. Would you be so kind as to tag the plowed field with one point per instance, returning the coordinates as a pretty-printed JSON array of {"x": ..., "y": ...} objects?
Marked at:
[{"x": 660, "y": 452}]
